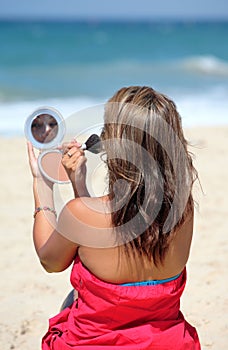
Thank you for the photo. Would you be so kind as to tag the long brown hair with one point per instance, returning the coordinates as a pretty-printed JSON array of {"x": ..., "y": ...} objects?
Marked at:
[{"x": 150, "y": 171}]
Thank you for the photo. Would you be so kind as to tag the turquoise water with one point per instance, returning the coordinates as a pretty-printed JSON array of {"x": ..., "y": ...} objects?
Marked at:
[{"x": 74, "y": 65}]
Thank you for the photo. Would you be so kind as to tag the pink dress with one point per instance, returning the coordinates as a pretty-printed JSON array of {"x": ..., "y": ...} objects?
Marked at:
[{"x": 110, "y": 316}]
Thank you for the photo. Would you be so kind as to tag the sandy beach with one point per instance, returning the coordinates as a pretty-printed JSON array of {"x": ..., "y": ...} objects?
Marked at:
[{"x": 29, "y": 296}]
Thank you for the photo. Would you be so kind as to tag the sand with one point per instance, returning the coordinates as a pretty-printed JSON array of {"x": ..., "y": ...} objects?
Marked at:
[{"x": 29, "y": 295}]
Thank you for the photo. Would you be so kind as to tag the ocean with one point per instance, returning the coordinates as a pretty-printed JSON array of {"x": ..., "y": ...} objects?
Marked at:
[{"x": 77, "y": 65}]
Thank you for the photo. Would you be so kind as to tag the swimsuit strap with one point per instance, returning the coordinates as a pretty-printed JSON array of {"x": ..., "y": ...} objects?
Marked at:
[{"x": 150, "y": 282}]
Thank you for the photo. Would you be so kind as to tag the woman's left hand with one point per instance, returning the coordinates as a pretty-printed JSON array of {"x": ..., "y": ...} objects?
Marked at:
[{"x": 33, "y": 163}]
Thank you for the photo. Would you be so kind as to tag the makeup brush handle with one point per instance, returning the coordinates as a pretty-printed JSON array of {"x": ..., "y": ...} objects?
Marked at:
[{"x": 83, "y": 146}]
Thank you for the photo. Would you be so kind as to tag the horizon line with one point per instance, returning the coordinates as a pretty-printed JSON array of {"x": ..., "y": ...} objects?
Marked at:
[{"x": 113, "y": 19}]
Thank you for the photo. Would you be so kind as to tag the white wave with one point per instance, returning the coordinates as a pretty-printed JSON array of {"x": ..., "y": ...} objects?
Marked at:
[
  {"x": 196, "y": 109},
  {"x": 14, "y": 114},
  {"x": 205, "y": 108},
  {"x": 209, "y": 65}
]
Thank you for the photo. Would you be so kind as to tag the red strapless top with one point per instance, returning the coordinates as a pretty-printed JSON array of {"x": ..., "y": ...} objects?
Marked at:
[{"x": 110, "y": 316}]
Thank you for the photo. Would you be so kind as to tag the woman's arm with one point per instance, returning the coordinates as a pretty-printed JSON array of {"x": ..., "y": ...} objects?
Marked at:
[
  {"x": 55, "y": 251},
  {"x": 74, "y": 163}
]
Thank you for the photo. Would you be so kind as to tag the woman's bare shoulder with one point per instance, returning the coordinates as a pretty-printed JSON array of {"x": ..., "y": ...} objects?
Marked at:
[
  {"x": 90, "y": 210},
  {"x": 84, "y": 221}
]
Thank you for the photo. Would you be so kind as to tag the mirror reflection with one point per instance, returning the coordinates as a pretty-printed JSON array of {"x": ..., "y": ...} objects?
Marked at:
[{"x": 44, "y": 128}]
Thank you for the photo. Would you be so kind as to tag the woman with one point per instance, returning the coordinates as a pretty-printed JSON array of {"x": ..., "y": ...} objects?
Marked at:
[{"x": 129, "y": 248}]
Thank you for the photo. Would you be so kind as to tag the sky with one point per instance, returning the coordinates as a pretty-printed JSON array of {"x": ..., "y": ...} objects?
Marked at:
[{"x": 118, "y": 9}]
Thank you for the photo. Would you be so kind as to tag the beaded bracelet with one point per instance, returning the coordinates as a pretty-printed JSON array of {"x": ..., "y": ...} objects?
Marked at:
[{"x": 38, "y": 209}]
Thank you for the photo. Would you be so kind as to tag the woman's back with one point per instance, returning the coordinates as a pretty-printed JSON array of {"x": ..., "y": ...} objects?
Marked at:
[{"x": 118, "y": 266}]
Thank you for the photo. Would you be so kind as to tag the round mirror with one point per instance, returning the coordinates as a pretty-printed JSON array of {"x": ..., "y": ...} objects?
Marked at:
[{"x": 45, "y": 128}]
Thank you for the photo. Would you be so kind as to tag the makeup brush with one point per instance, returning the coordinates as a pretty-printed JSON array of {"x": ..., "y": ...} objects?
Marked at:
[{"x": 93, "y": 144}]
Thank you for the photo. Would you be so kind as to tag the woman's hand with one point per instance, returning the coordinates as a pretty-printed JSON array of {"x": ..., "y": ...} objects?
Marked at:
[
  {"x": 34, "y": 166},
  {"x": 33, "y": 161},
  {"x": 74, "y": 162}
]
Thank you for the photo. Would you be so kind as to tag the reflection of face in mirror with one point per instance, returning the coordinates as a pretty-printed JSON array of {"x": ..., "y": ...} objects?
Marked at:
[{"x": 44, "y": 128}]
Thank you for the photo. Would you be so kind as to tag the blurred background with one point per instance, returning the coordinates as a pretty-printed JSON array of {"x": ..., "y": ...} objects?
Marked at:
[{"x": 75, "y": 54}]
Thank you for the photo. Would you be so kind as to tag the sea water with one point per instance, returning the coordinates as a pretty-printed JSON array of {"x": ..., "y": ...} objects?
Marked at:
[{"x": 76, "y": 65}]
